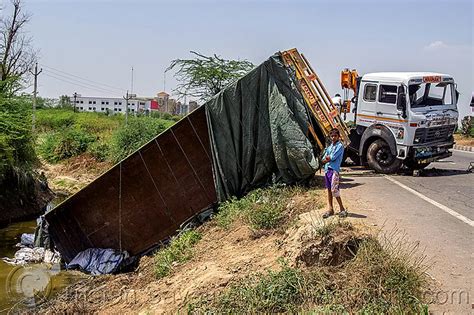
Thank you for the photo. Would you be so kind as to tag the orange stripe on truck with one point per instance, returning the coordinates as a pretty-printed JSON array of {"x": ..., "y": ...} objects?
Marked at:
[{"x": 382, "y": 118}]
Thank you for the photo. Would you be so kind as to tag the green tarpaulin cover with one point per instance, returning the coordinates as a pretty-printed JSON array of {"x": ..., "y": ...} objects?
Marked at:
[{"x": 258, "y": 128}]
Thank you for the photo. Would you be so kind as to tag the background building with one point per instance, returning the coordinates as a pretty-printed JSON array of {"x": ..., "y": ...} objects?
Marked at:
[{"x": 112, "y": 105}]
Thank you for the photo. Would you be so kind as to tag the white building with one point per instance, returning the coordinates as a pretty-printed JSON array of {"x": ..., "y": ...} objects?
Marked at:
[{"x": 111, "y": 105}]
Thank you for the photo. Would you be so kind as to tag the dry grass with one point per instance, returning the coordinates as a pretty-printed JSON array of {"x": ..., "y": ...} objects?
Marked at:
[
  {"x": 463, "y": 140},
  {"x": 384, "y": 274}
]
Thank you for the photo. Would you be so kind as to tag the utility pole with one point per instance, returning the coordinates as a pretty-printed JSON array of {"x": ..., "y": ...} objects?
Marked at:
[
  {"x": 127, "y": 98},
  {"x": 75, "y": 97},
  {"x": 131, "y": 87},
  {"x": 35, "y": 92}
]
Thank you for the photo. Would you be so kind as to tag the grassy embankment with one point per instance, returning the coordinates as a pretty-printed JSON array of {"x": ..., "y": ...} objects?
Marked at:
[
  {"x": 367, "y": 273},
  {"x": 73, "y": 145}
]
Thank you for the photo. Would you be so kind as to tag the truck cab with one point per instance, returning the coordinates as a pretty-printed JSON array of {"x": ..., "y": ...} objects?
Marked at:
[{"x": 403, "y": 118}]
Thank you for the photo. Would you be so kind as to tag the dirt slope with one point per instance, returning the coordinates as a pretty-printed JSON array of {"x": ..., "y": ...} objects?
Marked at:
[{"x": 221, "y": 257}]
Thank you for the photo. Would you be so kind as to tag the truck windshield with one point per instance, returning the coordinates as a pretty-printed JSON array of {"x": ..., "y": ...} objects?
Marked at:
[{"x": 431, "y": 94}]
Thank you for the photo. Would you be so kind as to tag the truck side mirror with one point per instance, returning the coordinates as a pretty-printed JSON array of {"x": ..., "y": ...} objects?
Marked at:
[{"x": 402, "y": 101}]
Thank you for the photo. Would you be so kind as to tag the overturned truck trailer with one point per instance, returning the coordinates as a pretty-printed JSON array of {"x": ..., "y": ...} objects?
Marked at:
[{"x": 259, "y": 130}]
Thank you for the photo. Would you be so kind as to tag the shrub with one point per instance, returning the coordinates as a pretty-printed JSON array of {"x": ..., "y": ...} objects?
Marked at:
[
  {"x": 16, "y": 139},
  {"x": 179, "y": 250},
  {"x": 99, "y": 150},
  {"x": 54, "y": 119},
  {"x": 98, "y": 122},
  {"x": 62, "y": 145},
  {"x": 128, "y": 138}
]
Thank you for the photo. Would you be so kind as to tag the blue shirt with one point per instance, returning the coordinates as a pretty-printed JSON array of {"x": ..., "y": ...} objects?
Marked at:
[{"x": 335, "y": 153}]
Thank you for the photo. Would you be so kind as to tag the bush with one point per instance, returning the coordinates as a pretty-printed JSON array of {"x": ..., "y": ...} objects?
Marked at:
[
  {"x": 179, "y": 250},
  {"x": 62, "y": 145},
  {"x": 54, "y": 119},
  {"x": 16, "y": 139},
  {"x": 98, "y": 122},
  {"x": 128, "y": 138},
  {"x": 99, "y": 150}
]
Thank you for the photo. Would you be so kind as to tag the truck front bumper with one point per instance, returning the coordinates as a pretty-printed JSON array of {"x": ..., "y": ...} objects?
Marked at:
[{"x": 429, "y": 153}]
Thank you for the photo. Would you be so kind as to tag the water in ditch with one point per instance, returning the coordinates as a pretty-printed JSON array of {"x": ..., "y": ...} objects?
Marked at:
[{"x": 29, "y": 285}]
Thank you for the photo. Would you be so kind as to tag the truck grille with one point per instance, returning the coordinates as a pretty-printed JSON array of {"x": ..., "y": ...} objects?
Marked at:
[{"x": 435, "y": 134}]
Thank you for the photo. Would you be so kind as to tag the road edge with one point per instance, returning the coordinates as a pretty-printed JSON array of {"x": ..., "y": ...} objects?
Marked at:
[{"x": 463, "y": 148}]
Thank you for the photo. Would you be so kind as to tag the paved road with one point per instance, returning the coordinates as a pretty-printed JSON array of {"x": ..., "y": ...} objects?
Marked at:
[{"x": 435, "y": 209}]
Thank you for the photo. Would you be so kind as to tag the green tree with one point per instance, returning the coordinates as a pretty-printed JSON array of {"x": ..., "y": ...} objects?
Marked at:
[
  {"x": 204, "y": 76},
  {"x": 65, "y": 101}
]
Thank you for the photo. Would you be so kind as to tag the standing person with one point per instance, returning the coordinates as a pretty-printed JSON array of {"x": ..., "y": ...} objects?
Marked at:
[{"x": 332, "y": 160}]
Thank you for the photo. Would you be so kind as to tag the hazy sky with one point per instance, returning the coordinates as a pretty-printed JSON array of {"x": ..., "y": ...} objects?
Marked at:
[{"x": 102, "y": 40}]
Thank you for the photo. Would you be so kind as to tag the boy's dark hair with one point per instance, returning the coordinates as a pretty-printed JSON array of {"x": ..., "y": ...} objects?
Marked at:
[{"x": 334, "y": 130}]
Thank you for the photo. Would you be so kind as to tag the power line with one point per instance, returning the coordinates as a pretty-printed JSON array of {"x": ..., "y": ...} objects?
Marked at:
[
  {"x": 79, "y": 82},
  {"x": 76, "y": 84},
  {"x": 84, "y": 79}
]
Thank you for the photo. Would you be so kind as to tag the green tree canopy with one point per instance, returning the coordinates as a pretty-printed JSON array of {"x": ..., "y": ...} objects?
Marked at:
[{"x": 204, "y": 76}]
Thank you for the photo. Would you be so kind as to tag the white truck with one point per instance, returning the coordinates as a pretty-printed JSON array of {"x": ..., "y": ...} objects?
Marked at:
[{"x": 402, "y": 118}]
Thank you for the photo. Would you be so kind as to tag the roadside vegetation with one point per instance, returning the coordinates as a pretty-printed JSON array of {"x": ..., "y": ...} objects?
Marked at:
[
  {"x": 467, "y": 127},
  {"x": 16, "y": 144},
  {"x": 383, "y": 275},
  {"x": 65, "y": 134},
  {"x": 261, "y": 209},
  {"x": 465, "y": 134}
]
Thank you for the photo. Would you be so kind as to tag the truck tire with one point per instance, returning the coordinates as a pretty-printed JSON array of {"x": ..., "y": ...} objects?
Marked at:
[{"x": 381, "y": 159}]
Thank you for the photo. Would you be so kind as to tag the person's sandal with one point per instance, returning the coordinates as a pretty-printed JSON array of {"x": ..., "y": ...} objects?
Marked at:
[
  {"x": 343, "y": 214},
  {"x": 327, "y": 214}
]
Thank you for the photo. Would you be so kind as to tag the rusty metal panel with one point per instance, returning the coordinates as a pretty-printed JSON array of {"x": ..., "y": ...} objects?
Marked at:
[{"x": 143, "y": 199}]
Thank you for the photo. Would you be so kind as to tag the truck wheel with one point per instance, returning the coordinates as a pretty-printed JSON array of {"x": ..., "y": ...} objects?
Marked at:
[{"x": 381, "y": 159}]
